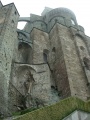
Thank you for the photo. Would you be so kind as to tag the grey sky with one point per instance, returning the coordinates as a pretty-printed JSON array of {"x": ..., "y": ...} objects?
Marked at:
[{"x": 81, "y": 8}]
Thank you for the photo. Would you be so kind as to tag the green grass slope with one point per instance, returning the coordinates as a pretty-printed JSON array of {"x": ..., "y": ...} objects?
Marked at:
[{"x": 57, "y": 111}]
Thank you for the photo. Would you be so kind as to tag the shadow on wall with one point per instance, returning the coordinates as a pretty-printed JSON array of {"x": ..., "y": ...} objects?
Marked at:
[
  {"x": 45, "y": 55},
  {"x": 25, "y": 53}
]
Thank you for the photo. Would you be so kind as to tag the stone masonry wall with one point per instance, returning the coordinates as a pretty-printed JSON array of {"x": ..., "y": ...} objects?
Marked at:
[
  {"x": 58, "y": 64},
  {"x": 76, "y": 75},
  {"x": 83, "y": 53},
  {"x": 14, "y": 98},
  {"x": 40, "y": 43},
  {"x": 7, "y": 39}
]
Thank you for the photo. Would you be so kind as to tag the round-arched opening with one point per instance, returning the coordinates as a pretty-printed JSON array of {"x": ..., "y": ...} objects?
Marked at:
[
  {"x": 54, "y": 49},
  {"x": 25, "y": 53},
  {"x": 86, "y": 63},
  {"x": 82, "y": 48},
  {"x": 45, "y": 55},
  {"x": 72, "y": 22},
  {"x": 21, "y": 25}
]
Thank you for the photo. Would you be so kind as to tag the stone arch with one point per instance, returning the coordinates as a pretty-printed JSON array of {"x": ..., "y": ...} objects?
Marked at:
[
  {"x": 24, "y": 19},
  {"x": 39, "y": 24},
  {"x": 56, "y": 17},
  {"x": 39, "y": 21},
  {"x": 22, "y": 32},
  {"x": 24, "y": 37},
  {"x": 54, "y": 20},
  {"x": 25, "y": 53},
  {"x": 21, "y": 25},
  {"x": 27, "y": 35}
]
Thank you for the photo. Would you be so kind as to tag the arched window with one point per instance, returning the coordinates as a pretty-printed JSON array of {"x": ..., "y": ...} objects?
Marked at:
[
  {"x": 25, "y": 52},
  {"x": 45, "y": 54},
  {"x": 56, "y": 20},
  {"x": 21, "y": 24},
  {"x": 72, "y": 21},
  {"x": 54, "y": 49},
  {"x": 45, "y": 57},
  {"x": 82, "y": 48},
  {"x": 86, "y": 63}
]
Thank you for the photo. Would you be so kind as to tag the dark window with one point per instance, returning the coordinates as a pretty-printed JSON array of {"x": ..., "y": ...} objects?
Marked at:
[
  {"x": 44, "y": 17},
  {"x": 12, "y": 21},
  {"x": 72, "y": 21},
  {"x": 41, "y": 24},
  {"x": 86, "y": 63},
  {"x": 87, "y": 84},
  {"x": 60, "y": 93},
  {"x": 15, "y": 12},
  {"x": 53, "y": 50},
  {"x": 20, "y": 46},
  {"x": 56, "y": 20},
  {"x": 82, "y": 48},
  {"x": 45, "y": 57}
]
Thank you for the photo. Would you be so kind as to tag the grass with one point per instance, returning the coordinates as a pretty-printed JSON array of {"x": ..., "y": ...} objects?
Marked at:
[
  {"x": 24, "y": 111},
  {"x": 57, "y": 111}
]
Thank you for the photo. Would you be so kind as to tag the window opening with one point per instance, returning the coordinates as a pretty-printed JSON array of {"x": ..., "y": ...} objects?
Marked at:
[
  {"x": 15, "y": 12},
  {"x": 56, "y": 20},
  {"x": 72, "y": 21},
  {"x": 54, "y": 49},
  {"x": 12, "y": 21},
  {"x": 86, "y": 63},
  {"x": 82, "y": 48},
  {"x": 45, "y": 57}
]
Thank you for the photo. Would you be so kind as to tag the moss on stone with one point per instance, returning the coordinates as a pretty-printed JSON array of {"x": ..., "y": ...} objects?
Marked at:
[{"x": 57, "y": 111}]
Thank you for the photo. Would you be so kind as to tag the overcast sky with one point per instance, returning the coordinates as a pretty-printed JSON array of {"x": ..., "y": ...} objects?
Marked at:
[{"x": 81, "y": 8}]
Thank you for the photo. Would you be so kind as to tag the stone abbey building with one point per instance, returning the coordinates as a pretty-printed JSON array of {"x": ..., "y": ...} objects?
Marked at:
[{"x": 47, "y": 61}]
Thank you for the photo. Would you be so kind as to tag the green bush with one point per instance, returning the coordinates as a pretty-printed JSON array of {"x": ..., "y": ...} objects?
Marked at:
[
  {"x": 24, "y": 111},
  {"x": 57, "y": 111}
]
